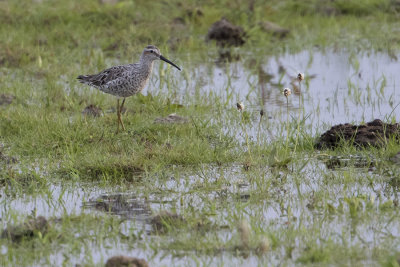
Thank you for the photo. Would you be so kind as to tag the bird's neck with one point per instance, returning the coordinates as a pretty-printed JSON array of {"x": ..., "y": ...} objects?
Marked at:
[{"x": 146, "y": 64}]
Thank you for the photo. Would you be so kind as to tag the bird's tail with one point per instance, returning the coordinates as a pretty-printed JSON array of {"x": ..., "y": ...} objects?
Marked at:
[{"x": 86, "y": 79}]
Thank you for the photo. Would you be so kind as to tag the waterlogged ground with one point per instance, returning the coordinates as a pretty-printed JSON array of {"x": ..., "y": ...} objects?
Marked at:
[
  {"x": 292, "y": 211},
  {"x": 311, "y": 207},
  {"x": 220, "y": 187}
]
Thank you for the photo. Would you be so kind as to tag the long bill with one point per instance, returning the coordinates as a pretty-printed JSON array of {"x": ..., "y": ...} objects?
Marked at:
[{"x": 166, "y": 60}]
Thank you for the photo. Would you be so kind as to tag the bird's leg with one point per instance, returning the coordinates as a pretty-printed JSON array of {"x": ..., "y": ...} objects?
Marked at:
[
  {"x": 118, "y": 115},
  {"x": 120, "y": 111},
  {"x": 122, "y": 105}
]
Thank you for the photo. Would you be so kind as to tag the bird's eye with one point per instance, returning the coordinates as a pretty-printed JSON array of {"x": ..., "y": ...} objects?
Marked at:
[{"x": 151, "y": 51}]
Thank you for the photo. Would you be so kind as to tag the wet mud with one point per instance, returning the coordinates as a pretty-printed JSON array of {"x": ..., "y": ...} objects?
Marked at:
[{"x": 374, "y": 133}]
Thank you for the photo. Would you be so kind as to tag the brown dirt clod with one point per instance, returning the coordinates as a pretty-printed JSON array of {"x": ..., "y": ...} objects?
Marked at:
[
  {"x": 226, "y": 34},
  {"x": 373, "y": 133}
]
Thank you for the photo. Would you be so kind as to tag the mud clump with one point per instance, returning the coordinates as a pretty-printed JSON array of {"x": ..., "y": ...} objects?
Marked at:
[
  {"x": 226, "y": 34},
  {"x": 125, "y": 261},
  {"x": 374, "y": 133},
  {"x": 92, "y": 111},
  {"x": 165, "y": 220},
  {"x": 26, "y": 230}
]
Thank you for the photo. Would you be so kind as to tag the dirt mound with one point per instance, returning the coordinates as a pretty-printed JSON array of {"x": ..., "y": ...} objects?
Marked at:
[
  {"x": 119, "y": 261},
  {"x": 226, "y": 34},
  {"x": 373, "y": 133}
]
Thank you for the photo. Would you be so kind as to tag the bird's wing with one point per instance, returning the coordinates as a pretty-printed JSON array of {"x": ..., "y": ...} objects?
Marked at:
[{"x": 104, "y": 77}]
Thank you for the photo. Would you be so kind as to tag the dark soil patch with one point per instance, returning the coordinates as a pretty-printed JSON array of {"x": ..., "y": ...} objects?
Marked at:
[
  {"x": 374, "y": 133},
  {"x": 226, "y": 34},
  {"x": 26, "y": 230},
  {"x": 125, "y": 261}
]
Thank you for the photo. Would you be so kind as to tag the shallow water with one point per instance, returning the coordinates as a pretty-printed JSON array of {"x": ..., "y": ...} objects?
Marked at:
[
  {"x": 340, "y": 87},
  {"x": 179, "y": 190}
]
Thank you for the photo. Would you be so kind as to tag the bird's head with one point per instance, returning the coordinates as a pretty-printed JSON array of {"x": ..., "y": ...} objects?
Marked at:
[{"x": 152, "y": 53}]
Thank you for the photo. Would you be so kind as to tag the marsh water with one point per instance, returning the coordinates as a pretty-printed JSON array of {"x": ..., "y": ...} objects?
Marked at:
[{"x": 339, "y": 87}]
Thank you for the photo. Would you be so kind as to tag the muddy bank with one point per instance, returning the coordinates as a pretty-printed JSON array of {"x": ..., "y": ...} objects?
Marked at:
[{"x": 375, "y": 133}]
